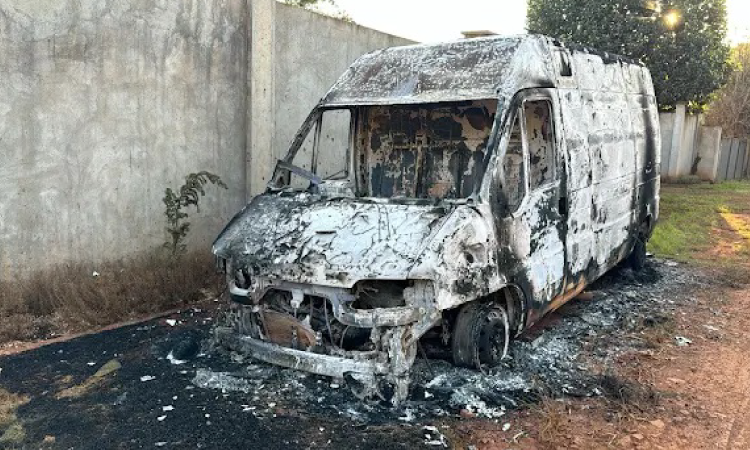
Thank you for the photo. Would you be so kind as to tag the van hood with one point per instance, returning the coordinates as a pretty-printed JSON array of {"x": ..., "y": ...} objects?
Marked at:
[{"x": 334, "y": 242}]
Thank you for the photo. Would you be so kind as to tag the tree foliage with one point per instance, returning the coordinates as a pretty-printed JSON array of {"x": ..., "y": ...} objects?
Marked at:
[
  {"x": 731, "y": 109},
  {"x": 688, "y": 60},
  {"x": 304, "y": 3},
  {"x": 189, "y": 195},
  {"x": 326, "y": 7}
]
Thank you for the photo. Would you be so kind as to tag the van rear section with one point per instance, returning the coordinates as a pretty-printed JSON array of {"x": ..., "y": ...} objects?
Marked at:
[{"x": 452, "y": 192}]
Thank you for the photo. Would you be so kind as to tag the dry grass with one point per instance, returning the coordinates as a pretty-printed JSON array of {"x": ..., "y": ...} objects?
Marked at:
[
  {"x": 554, "y": 421},
  {"x": 9, "y": 402},
  {"x": 658, "y": 330},
  {"x": 69, "y": 298},
  {"x": 11, "y": 429},
  {"x": 628, "y": 397},
  {"x": 91, "y": 382}
]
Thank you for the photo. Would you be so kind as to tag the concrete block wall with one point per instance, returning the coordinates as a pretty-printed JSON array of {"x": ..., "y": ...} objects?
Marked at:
[{"x": 105, "y": 103}]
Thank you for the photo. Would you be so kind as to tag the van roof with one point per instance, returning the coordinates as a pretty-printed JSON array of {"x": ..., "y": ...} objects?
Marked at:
[{"x": 468, "y": 69}]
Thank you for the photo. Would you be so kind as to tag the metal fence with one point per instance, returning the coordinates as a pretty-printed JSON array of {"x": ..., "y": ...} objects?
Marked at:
[{"x": 734, "y": 160}]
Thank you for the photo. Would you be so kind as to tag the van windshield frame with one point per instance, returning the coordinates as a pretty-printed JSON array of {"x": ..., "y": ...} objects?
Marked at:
[{"x": 432, "y": 151}]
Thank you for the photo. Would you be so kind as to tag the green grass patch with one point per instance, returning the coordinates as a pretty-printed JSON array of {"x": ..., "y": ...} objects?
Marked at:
[{"x": 693, "y": 226}]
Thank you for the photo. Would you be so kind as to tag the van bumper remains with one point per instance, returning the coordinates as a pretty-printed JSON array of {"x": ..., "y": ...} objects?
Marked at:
[
  {"x": 270, "y": 327},
  {"x": 319, "y": 364}
]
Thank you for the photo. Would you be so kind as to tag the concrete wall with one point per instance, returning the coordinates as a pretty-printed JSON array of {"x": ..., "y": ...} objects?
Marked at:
[
  {"x": 102, "y": 105},
  {"x": 307, "y": 54},
  {"x": 688, "y": 147},
  {"x": 680, "y": 131},
  {"x": 105, "y": 103},
  {"x": 709, "y": 145},
  {"x": 666, "y": 124}
]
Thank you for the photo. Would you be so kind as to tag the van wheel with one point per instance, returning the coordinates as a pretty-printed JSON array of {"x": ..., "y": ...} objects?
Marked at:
[
  {"x": 637, "y": 258},
  {"x": 480, "y": 335}
]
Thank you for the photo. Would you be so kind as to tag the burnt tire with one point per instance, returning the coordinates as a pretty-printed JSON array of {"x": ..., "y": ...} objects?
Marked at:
[
  {"x": 481, "y": 335},
  {"x": 637, "y": 257}
]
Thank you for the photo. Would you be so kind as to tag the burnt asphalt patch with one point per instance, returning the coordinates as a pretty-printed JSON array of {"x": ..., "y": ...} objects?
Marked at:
[{"x": 218, "y": 399}]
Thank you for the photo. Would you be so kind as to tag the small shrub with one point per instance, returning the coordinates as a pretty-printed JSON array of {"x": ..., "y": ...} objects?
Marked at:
[{"x": 189, "y": 194}]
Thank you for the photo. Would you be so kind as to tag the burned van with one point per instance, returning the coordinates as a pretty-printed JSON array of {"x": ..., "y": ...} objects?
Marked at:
[{"x": 454, "y": 192}]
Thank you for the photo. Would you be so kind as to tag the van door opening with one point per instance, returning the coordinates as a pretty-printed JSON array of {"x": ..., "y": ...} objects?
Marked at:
[{"x": 532, "y": 184}]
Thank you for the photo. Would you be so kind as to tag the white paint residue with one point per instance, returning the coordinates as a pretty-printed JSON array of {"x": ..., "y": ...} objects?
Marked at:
[
  {"x": 434, "y": 437},
  {"x": 208, "y": 379},
  {"x": 173, "y": 360}
]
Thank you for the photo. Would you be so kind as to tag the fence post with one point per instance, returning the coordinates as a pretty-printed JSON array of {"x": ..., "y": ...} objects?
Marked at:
[{"x": 726, "y": 144}]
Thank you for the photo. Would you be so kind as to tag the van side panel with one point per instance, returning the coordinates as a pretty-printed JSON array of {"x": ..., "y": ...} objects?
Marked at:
[
  {"x": 611, "y": 139},
  {"x": 645, "y": 116},
  {"x": 580, "y": 244},
  {"x": 612, "y": 153}
]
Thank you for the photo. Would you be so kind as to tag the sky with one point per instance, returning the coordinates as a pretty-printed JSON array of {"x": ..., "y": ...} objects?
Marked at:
[{"x": 441, "y": 20}]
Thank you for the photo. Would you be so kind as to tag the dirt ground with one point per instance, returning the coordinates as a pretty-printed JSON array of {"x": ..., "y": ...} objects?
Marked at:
[
  {"x": 652, "y": 360},
  {"x": 697, "y": 396}
]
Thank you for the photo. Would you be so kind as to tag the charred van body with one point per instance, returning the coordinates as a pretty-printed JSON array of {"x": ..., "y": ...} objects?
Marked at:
[{"x": 461, "y": 189}]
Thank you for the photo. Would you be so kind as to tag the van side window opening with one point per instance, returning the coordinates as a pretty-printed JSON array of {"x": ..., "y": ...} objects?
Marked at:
[
  {"x": 426, "y": 151},
  {"x": 325, "y": 150},
  {"x": 514, "y": 183},
  {"x": 304, "y": 160},
  {"x": 540, "y": 141},
  {"x": 332, "y": 154}
]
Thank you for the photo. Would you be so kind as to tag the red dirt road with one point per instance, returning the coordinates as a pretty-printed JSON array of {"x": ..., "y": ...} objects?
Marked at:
[{"x": 702, "y": 400}]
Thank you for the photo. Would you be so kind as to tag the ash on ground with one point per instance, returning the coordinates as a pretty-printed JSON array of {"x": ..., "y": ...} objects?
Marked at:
[{"x": 562, "y": 356}]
